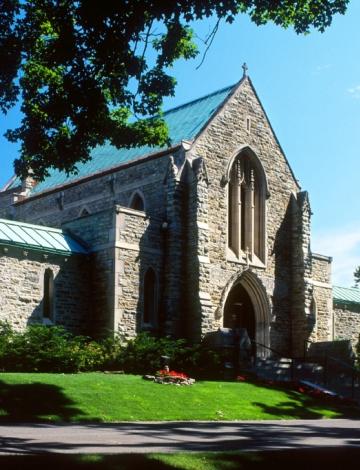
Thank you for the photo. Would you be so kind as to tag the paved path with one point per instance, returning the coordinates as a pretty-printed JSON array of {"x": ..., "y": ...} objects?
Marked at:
[{"x": 178, "y": 436}]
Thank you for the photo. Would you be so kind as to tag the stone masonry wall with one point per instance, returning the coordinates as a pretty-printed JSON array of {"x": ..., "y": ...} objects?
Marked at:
[
  {"x": 302, "y": 319},
  {"x": 6, "y": 200},
  {"x": 138, "y": 248},
  {"x": 322, "y": 315},
  {"x": 347, "y": 322},
  {"x": 21, "y": 288},
  {"x": 322, "y": 306},
  {"x": 321, "y": 268},
  {"x": 54, "y": 208},
  {"x": 188, "y": 191},
  {"x": 223, "y": 138},
  {"x": 199, "y": 311},
  {"x": 97, "y": 230},
  {"x": 174, "y": 298},
  {"x": 99, "y": 196}
]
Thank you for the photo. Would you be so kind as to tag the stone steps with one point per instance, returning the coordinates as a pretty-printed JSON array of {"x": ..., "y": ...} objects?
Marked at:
[
  {"x": 284, "y": 369},
  {"x": 273, "y": 369}
]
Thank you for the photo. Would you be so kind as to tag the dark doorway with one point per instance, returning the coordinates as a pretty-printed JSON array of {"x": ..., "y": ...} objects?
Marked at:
[{"x": 239, "y": 311}]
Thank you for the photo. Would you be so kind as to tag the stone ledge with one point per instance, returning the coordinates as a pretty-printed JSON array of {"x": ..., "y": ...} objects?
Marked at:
[
  {"x": 127, "y": 210},
  {"x": 312, "y": 282}
]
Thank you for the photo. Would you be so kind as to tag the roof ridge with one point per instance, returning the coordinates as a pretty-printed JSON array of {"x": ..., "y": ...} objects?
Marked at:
[{"x": 221, "y": 90}]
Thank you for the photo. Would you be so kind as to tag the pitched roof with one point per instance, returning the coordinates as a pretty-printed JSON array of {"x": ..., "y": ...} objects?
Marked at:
[
  {"x": 346, "y": 295},
  {"x": 184, "y": 123},
  {"x": 38, "y": 237}
]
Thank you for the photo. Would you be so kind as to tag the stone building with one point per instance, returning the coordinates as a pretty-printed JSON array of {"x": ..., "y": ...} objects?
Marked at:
[
  {"x": 346, "y": 311},
  {"x": 211, "y": 232},
  {"x": 42, "y": 270}
]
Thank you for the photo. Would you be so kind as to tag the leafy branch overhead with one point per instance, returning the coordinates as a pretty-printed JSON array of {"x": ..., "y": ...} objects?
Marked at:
[
  {"x": 357, "y": 277},
  {"x": 91, "y": 71}
]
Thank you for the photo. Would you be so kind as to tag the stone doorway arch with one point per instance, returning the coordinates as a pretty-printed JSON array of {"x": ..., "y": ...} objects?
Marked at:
[{"x": 245, "y": 305}]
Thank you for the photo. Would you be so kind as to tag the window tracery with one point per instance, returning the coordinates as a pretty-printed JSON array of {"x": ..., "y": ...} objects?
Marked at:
[{"x": 246, "y": 210}]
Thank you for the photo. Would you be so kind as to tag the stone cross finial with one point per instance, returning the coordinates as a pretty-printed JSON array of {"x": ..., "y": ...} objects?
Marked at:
[{"x": 245, "y": 69}]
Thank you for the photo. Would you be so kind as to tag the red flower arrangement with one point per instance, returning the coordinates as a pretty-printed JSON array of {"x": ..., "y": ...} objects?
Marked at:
[
  {"x": 171, "y": 373},
  {"x": 241, "y": 378}
]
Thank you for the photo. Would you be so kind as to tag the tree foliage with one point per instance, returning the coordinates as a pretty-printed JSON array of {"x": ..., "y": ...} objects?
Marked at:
[
  {"x": 357, "y": 276},
  {"x": 90, "y": 71}
]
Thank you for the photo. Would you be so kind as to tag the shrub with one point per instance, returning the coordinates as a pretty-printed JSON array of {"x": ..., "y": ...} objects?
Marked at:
[
  {"x": 6, "y": 339},
  {"x": 142, "y": 355},
  {"x": 43, "y": 348},
  {"x": 200, "y": 361},
  {"x": 47, "y": 349}
]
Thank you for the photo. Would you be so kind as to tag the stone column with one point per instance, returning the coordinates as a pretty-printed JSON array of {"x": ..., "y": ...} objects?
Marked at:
[
  {"x": 301, "y": 273},
  {"x": 173, "y": 301},
  {"x": 199, "y": 304},
  {"x": 249, "y": 216},
  {"x": 236, "y": 216},
  {"x": 237, "y": 208}
]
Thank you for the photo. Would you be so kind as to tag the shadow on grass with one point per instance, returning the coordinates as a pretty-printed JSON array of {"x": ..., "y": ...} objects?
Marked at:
[
  {"x": 322, "y": 458},
  {"x": 35, "y": 402},
  {"x": 305, "y": 409}
]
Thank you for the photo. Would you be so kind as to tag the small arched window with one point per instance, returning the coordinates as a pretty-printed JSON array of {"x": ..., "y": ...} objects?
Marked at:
[
  {"x": 84, "y": 212},
  {"x": 150, "y": 298},
  {"x": 137, "y": 202},
  {"x": 48, "y": 299},
  {"x": 246, "y": 209}
]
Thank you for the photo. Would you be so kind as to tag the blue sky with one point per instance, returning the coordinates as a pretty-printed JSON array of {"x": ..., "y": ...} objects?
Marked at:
[{"x": 310, "y": 88}]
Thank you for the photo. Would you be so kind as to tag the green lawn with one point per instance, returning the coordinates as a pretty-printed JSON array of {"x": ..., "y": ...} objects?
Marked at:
[{"x": 111, "y": 398}]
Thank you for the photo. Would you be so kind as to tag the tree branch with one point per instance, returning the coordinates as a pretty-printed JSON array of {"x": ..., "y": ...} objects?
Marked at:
[{"x": 209, "y": 40}]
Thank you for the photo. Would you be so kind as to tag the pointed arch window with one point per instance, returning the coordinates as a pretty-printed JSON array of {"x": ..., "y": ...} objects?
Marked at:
[
  {"x": 246, "y": 209},
  {"x": 48, "y": 299},
  {"x": 137, "y": 202},
  {"x": 150, "y": 298}
]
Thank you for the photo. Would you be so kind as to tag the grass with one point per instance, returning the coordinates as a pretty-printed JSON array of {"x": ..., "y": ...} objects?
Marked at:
[
  {"x": 323, "y": 458},
  {"x": 281, "y": 460},
  {"x": 101, "y": 397}
]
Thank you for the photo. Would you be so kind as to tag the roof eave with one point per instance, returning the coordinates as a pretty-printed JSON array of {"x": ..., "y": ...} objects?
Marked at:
[
  {"x": 39, "y": 249},
  {"x": 346, "y": 302}
]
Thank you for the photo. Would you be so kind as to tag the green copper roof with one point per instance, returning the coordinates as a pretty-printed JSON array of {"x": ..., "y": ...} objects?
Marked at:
[
  {"x": 184, "y": 123},
  {"x": 346, "y": 294},
  {"x": 38, "y": 237}
]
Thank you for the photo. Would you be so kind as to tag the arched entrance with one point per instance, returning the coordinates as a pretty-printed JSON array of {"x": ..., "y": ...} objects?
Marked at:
[
  {"x": 245, "y": 305},
  {"x": 239, "y": 311}
]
